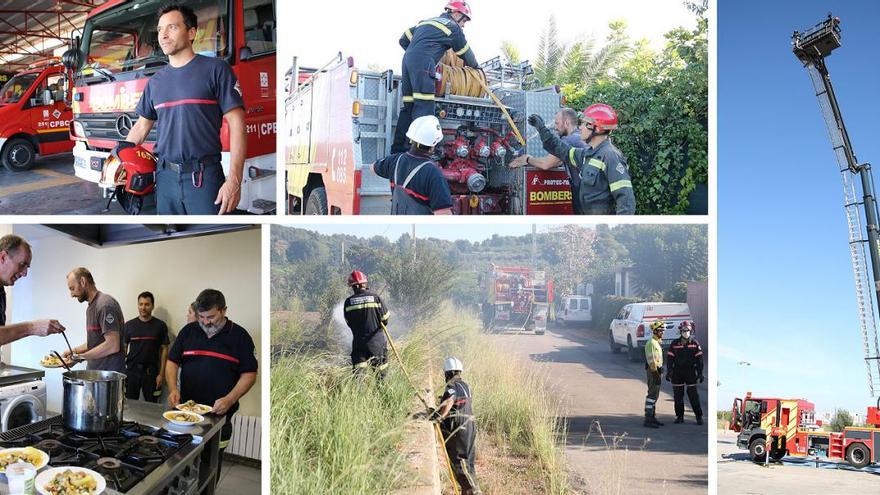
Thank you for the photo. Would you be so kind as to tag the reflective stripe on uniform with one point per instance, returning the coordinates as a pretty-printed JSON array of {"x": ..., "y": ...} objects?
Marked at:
[
  {"x": 224, "y": 444},
  {"x": 463, "y": 50},
  {"x": 620, "y": 185},
  {"x": 408, "y": 34},
  {"x": 423, "y": 96},
  {"x": 407, "y": 99},
  {"x": 597, "y": 163},
  {"x": 441, "y": 27},
  {"x": 386, "y": 315},
  {"x": 571, "y": 157},
  {"x": 362, "y": 364},
  {"x": 362, "y": 306}
]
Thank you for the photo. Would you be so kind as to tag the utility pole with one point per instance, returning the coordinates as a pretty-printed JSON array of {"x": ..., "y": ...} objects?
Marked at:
[
  {"x": 534, "y": 247},
  {"x": 342, "y": 255},
  {"x": 414, "y": 244}
]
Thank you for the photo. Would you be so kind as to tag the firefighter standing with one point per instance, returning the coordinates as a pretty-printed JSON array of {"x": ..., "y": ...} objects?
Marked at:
[
  {"x": 654, "y": 367},
  {"x": 366, "y": 314},
  {"x": 605, "y": 185},
  {"x": 685, "y": 368},
  {"x": 459, "y": 429},
  {"x": 417, "y": 184},
  {"x": 425, "y": 43}
]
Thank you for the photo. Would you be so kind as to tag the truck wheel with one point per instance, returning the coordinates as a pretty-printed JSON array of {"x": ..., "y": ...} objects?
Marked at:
[
  {"x": 614, "y": 347},
  {"x": 858, "y": 455},
  {"x": 18, "y": 155},
  {"x": 633, "y": 352},
  {"x": 777, "y": 455},
  {"x": 317, "y": 202},
  {"x": 758, "y": 450}
]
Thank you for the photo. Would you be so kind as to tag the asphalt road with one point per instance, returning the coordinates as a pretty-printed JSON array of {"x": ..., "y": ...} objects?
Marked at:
[
  {"x": 51, "y": 188},
  {"x": 607, "y": 447},
  {"x": 737, "y": 474}
]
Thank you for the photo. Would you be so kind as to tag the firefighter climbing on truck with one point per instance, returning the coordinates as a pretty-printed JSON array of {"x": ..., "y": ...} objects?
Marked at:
[
  {"x": 684, "y": 369},
  {"x": 425, "y": 43},
  {"x": 417, "y": 185},
  {"x": 366, "y": 314},
  {"x": 605, "y": 184}
]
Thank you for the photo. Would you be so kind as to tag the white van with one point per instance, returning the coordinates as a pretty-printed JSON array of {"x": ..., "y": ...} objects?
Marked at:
[
  {"x": 631, "y": 329},
  {"x": 576, "y": 310}
]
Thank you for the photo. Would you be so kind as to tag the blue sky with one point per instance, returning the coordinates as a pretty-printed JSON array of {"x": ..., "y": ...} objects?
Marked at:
[{"x": 785, "y": 284}]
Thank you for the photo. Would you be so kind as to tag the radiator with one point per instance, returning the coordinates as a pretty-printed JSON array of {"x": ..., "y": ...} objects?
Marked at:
[{"x": 246, "y": 431}]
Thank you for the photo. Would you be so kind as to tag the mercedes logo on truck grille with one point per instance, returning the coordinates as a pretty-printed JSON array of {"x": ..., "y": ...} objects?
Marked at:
[{"x": 123, "y": 125}]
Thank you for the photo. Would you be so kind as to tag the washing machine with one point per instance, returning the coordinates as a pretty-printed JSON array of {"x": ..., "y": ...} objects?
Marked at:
[{"x": 22, "y": 404}]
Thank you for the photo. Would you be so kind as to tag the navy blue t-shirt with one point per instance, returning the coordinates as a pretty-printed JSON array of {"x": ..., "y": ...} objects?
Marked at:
[
  {"x": 188, "y": 104},
  {"x": 428, "y": 186}
]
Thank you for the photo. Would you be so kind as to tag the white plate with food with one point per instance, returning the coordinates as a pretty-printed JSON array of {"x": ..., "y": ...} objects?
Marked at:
[
  {"x": 183, "y": 418},
  {"x": 193, "y": 407},
  {"x": 69, "y": 480},
  {"x": 52, "y": 361},
  {"x": 30, "y": 455}
]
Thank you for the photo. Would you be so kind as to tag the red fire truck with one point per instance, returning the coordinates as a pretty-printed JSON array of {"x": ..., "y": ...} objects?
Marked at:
[
  {"x": 34, "y": 115},
  {"x": 788, "y": 427},
  {"x": 340, "y": 120},
  {"x": 118, "y": 53},
  {"x": 517, "y": 298}
]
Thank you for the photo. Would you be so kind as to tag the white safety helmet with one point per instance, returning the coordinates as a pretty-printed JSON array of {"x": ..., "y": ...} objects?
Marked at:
[
  {"x": 452, "y": 364},
  {"x": 425, "y": 131}
]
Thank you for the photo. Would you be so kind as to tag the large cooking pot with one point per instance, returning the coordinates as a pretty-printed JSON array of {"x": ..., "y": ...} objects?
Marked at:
[{"x": 93, "y": 400}]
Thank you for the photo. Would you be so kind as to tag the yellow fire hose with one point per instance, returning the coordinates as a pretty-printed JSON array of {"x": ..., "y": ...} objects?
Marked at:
[
  {"x": 412, "y": 384},
  {"x": 467, "y": 81}
]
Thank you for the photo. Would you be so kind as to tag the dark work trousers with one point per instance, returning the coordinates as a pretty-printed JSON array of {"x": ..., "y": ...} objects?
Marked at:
[
  {"x": 141, "y": 377},
  {"x": 373, "y": 355},
  {"x": 460, "y": 436},
  {"x": 417, "y": 87},
  {"x": 189, "y": 188},
  {"x": 686, "y": 383},
  {"x": 653, "y": 393},
  {"x": 225, "y": 437}
]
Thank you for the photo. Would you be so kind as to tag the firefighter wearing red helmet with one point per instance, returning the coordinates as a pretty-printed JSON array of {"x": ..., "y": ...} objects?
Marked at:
[
  {"x": 366, "y": 314},
  {"x": 685, "y": 369},
  {"x": 425, "y": 43},
  {"x": 605, "y": 184}
]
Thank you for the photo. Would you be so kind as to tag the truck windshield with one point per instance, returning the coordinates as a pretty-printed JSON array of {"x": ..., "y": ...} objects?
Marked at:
[
  {"x": 125, "y": 38},
  {"x": 16, "y": 88}
]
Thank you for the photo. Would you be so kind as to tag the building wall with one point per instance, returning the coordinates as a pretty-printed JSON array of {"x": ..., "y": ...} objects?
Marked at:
[{"x": 175, "y": 271}]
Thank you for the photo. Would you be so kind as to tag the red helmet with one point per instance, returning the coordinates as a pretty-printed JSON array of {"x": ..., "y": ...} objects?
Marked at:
[
  {"x": 357, "y": 278},
  {"x": 602, "y": 116},
  {"x": 686, "y": 325},
  {"x": 135, "y": 170},
  {"x": 460, "y": 7}
]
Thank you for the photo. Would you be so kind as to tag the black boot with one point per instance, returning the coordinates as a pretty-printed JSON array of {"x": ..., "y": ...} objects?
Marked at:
[
  {"x": 650, "y": 422},
  {"x": 654, "y": 417},
  {"x": 699, "y": 420},
  {"x": 679, "y": 420}
]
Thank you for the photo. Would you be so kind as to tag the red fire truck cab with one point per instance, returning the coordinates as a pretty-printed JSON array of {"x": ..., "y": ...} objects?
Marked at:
[{"x": 34, "y": 115}]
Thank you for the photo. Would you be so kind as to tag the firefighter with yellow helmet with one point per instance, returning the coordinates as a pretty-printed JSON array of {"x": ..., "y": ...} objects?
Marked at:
[{"x": 654, "y": 369}]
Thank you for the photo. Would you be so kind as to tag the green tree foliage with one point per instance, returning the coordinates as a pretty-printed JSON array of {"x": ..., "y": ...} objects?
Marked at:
[
  {"x": 664, "y": 256},
  {"x": 583, "y": 61},
  {"x": 841, "y": 420},
  {"x": 510, "y": 52},
  {"x": 662, "y": 100},
  {"x": 418, "y": 284}
]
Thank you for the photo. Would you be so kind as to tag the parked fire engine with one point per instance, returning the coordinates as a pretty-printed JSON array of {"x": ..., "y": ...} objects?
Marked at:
[
  {"x": 340, "y": 120},
  {"x": 118, "y": 53},
  {"x": 788, "y": 427},
  {"x": 34, "y": 115},
  {"x": 517, "y": 299}
]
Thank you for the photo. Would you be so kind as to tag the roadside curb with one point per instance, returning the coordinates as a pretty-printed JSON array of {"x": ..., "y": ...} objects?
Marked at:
[{"x": 420, "y": 449}]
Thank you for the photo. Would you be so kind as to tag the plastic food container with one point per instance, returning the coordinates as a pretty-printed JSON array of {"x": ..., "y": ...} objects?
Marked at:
[{"x": 20, "y": 476}]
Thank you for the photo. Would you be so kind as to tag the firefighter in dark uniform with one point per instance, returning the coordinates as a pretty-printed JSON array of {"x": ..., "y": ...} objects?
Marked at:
[
  {"x": 685, "y": 369},
  {"x": 654, "y": 370},
  {"x": 425, "y": 43},
  {"x": 366, "y": 314},
  {"x": 417, "y": 184},
  {"x": 458, "y": 425},
  {"x": 605, "y": 187}
]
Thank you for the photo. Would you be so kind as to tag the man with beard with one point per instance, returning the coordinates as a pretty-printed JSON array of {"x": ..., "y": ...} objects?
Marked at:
[
  {"x": 15, "y": 260},
  {"x": 215, "y": 359},
  {"x": 103, "y": 349},
  {"x": 146, "y": 338}
]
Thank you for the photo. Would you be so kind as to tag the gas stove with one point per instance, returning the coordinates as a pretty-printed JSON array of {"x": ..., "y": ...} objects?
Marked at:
[{"x": 123, "y": 458}]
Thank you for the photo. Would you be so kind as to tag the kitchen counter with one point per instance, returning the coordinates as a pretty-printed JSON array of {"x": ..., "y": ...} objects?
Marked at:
[
  {"x": 206, "y": 438},
  {"x": 16, "y": 374}
]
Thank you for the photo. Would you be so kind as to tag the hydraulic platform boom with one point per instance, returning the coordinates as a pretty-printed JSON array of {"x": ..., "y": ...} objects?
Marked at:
[{"x": 811, "y": 47}]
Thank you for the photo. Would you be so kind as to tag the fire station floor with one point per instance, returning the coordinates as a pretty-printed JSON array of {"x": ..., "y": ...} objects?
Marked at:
[
  {"x": 737, "y": 474},
  {"x": 51, "y": 188},
  {"x": 606, "y": 390},
  {"x": 238, "y": 479}
]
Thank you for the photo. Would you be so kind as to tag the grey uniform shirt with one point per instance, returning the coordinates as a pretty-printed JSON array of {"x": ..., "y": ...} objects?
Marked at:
[{"x": 104, "y": 315}]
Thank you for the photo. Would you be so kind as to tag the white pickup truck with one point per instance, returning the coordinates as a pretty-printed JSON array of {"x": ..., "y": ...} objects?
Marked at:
[{"x": 631, "y": 329}]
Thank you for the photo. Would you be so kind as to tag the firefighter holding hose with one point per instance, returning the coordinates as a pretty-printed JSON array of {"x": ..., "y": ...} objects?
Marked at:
[
  {"x": 654, "y": 368},
  {"x": 685, "y": 364},
  {"x": 425, "y": 43},
  {"x": 605, "y": 185},
  {"x": 366, "y": 314},
  {"x": 457, "y": 423}
]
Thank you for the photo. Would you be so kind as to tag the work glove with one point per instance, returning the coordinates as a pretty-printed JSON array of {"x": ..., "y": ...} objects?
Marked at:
[
  {"x": 121, "y": 145},
  {"x": 668, "y": 377},
  {"x": 433, "y": 415},
  {"x": 701, "y": 378},
  {"x": 536, "y": 121},
  {"x": 660, "y": 370}
]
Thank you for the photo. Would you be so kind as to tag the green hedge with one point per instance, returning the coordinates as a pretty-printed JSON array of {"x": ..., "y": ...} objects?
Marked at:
[{"x": 605, "y": 308}]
